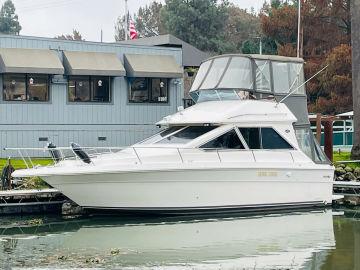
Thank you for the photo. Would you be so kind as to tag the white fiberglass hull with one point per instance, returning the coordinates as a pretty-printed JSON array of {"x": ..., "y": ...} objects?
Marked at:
[{"x": 198, "y": 190}]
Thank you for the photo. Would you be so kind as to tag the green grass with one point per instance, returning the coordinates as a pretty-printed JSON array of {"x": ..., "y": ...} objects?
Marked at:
[
  {"x": 344, "y": 156},
  {"x": 19, "y": 163}
]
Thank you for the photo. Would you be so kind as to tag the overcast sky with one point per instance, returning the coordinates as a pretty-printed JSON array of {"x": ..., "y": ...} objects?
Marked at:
[{"x": 48, "y": 18}]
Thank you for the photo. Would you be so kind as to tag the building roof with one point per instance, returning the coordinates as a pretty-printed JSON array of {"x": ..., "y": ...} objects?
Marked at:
[{"x": 192, "y": 57}]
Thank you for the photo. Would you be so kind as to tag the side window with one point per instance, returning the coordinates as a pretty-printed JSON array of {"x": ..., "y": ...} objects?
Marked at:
[
  {"x": 229, "y": 140},
  {"x": 186, "y": 135},
  {"x": 272, "y": 140},
  {"x": 252, "y": 137}
]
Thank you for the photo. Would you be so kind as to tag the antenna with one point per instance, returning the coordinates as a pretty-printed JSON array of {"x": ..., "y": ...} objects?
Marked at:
[
  {"x": 301, "y": 85},
  {"x": 126, "y": 21}
]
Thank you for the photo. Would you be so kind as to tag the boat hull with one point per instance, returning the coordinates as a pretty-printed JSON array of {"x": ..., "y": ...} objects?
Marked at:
[{"x": 198, "y": 191}]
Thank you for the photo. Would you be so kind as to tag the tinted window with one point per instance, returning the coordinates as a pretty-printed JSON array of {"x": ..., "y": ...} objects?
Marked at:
[
  {"x": 38, "y": 87},
  {"x": 79, "y": 89},
  {"x": 89, "y": 89},
  {"x": 251, "y": 136},
  {"x": 100, "y": 89},
  {"x": 144, "y": 90},
  {"x": 186, "y": 135},
  {"x": 229, "y": 140},
  {"x": 272, "y": 140},
  {"x": 161, "y": 135},
  {"x": 26, "y": 87}
]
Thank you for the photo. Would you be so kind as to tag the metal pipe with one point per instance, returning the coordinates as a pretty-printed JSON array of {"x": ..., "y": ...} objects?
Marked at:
[{"x": 299, "y": 26}]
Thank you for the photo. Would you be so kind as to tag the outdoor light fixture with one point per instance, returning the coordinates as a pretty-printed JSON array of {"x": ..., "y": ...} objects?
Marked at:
[
  {"x": 13, "y": 82},
  {"x": 100, "y": 83},
  {"x": 31, "y": 81}
]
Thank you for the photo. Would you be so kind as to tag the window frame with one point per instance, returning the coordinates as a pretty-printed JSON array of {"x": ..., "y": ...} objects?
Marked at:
[
  {"x": 221, "y": 134},
  {"x": 89, "y": 79},
  {"x": 27, "y": 76},
  {"x": 149, "y": 81},
  {"x": 260, "y": 139}
]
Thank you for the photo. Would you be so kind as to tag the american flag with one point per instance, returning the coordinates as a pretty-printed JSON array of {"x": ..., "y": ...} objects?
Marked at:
[{"x": 133, "y": 33}]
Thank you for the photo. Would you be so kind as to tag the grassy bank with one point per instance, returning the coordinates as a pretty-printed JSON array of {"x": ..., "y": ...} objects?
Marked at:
[
  {"x": 19, "y": 163},
  {"x": 345, "y": 156}
]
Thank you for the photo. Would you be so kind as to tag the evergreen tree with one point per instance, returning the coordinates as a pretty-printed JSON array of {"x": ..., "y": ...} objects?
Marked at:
[
  {"x": 200, "y": 23},
  {"x": 74, "y": 36},
  {"x": 148, "y": 22},
  {"x": 9, "y": 21}
]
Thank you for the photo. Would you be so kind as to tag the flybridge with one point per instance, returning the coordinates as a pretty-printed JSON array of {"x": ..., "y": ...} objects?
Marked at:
[{"x": 248, "y": 76}]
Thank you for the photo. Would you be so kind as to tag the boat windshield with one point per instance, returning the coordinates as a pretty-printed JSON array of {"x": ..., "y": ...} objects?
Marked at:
[
  {"x": 186, "y": 135},
  {"x": 161, "y": 135}
]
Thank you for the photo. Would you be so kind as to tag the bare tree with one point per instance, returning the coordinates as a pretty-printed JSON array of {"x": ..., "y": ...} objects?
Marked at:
[{"x": 355, "y": 42}]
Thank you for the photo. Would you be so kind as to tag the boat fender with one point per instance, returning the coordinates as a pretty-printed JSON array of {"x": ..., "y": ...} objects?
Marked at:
[
  {"x": 55, "y": 154},
  {"x": 80, "y": 153},
  {"x": 6, "y": 176}
]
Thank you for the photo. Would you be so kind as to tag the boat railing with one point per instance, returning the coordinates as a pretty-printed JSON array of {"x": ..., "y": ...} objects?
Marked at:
[{"x": 33, "y": 160}]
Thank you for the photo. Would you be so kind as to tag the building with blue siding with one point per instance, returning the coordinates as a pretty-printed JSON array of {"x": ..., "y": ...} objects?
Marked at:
[{"x": 95, "y": 94}]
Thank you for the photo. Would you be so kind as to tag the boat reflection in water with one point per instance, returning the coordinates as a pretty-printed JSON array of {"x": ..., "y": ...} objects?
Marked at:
[{"x": 275, "y": 241}]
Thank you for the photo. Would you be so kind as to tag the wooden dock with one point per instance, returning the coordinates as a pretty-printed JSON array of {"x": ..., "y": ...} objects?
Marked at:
[
  {"x": 31, "y": 201},
  {"x": 346, "y": 188}
]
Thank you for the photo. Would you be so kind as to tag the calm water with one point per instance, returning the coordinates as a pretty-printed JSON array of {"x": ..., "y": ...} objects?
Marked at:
[{"x": 302, "y": 240}]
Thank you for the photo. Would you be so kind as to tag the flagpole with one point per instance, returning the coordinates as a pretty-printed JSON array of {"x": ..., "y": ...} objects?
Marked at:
[
  {"x": 299, "y": 26},
  {"x": 126, "y": 21}
]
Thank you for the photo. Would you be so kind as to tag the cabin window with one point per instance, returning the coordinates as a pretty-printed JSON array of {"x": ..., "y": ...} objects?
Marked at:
[
  {"x": 229, "y": 140},
  {"x": 287, "y": 77},
  {"x": 251, "y": 137},
  {"x": 89, "y": 89},
  {"x": 303, "y": 136},
  {"x": 215, "y": 73},
  {"x": 148, "y": 90},
  {"x": 25, "y": 87},
  {"x": 238, "y": 75},
  {"x": 264, "y": 138},
  {"x": 262, "y": 75},
  {"x": 272, "y": 140},
  {"x": 161, "y": 135},
  {"x": 320, "y": 156},
  {"x": 186, "y": 135}
]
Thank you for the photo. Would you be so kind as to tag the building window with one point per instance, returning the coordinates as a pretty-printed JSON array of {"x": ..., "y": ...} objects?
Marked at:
[
  {"x": 148, "y": 90},
  {"x": 89, "y": 89},
  {"x": 25, "y": 87}
]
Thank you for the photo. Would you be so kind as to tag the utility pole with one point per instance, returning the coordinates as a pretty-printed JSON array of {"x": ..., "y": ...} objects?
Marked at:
[
  {"x": 355, "y": 44},
  {"x": 299, "y": 29},
  {"x": 126, "y": 21}
]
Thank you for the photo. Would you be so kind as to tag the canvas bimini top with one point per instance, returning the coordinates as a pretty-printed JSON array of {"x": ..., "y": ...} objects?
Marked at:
[{"x": 221, "y": 77}]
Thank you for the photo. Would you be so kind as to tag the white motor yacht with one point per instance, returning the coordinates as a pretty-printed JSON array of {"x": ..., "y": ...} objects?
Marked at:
[{"x": 237, "y": 149}]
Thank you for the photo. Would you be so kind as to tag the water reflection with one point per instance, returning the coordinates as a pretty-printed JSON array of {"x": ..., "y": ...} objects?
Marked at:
[{"x": 303, "y": 240}]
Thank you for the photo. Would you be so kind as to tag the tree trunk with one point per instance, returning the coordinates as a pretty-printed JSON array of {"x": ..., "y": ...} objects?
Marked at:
[{"x": 355, "y": 43}]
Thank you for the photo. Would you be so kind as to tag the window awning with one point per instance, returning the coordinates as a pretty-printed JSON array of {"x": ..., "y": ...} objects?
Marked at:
[
  {"x": 153, "y": 66},
  {"x": 14, "y": 60},
  {"x": 93, "y": 63}
]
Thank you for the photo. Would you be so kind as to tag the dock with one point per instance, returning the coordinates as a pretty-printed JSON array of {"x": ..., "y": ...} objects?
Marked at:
[
  {"x": 31, "y": 201},
  {"x": 345, "y": 188}
]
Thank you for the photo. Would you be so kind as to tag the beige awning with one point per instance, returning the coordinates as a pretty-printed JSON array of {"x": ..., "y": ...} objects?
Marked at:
[
  {"x": 154, "y": 66},
  {"x": 93, "y": 63},
  {"x": 36, "y": 61}
]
